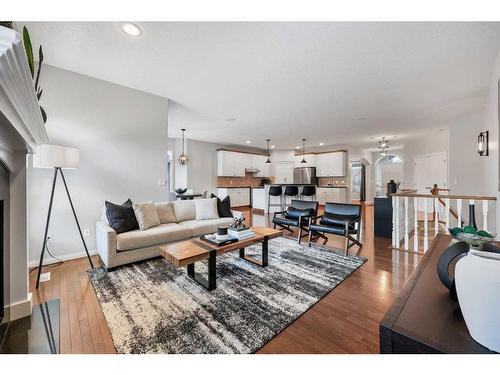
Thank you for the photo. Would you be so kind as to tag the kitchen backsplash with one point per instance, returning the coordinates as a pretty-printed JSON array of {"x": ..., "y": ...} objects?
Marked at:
[
  {"x": 248, "y": 180},
  {"x": 332, "y": 181}
]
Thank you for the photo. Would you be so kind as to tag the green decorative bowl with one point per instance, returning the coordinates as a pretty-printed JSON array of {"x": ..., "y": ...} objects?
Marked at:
[{"x": 473, "y": 239}]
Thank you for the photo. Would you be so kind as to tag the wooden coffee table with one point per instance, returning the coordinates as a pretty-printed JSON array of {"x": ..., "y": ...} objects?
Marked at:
[{"x": 187, "y": 253}]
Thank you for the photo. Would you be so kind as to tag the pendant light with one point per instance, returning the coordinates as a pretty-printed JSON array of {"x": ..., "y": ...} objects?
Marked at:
[
  {"x": 183, "y": 158},
  {"x": 268, "y": 161},
  {"x": 303, "y": 161}
]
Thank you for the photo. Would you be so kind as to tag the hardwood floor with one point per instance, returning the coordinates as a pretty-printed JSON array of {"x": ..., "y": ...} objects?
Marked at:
[{"x": 345, "y": 321}]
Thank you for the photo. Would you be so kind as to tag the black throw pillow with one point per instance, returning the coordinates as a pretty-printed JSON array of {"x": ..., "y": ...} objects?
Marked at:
[
  {"x": 223, "y": 206},
  {"x": 121, "y": 217}
]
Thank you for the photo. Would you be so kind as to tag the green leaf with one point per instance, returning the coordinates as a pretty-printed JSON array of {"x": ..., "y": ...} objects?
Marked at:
[
  {"x": 29, "y": 51},
  {"x": 40, "y": 60}
]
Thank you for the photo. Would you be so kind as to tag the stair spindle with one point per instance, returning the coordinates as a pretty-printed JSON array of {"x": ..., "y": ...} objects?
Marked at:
[
  {"x": 447, "y": 214},
  {"x": 485, "y": 215},
  {"x": 459, "y": 213},
  {"x": 415, "y": 224},
  {"x": 407, "y": 237},
  {"x": 426, "y": 225}
]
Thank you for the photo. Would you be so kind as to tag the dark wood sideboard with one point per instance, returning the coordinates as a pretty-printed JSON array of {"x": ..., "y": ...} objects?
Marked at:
[{"x": 424, "y": 318}]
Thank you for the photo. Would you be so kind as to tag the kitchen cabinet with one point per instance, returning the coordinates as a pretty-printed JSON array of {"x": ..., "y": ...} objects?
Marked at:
[
  {"x": 283, "y": 173},
  {"x": 335, "y": 195},
  {"x": 310, "y": 160},
  {"x": 258, "y": 198},
  {"x": 233, "y": 164},
  {"x": 238, "y": 196},
  {"x": 331, "y": 164}
]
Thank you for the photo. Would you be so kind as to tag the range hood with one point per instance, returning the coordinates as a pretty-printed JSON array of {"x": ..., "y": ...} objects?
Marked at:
[{"x": 252, "y": 170}]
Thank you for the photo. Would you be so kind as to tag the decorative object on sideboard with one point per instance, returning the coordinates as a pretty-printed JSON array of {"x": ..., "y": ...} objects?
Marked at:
[
  {"x": 483, "y": 143},
  {"x": 477, "y": 283},
  {"x": 268, "y": 161},
  {"x": 57, "y": 157},
  {"x": 303, "y": 151},
  {"x": 183, "y": 158},
  {"x": 181, "y": 191},
  {"x": 221, "y": 234},
  {"x": 472, "y": 216},
  {"x": 471, "y": 235},
  {"x": 31, "y": 64},
  {"x": 392, "y": 188}
]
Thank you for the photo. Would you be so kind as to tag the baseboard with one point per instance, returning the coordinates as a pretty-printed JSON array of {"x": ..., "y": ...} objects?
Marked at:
[
  {"x": 49, "y": 260},
  {"x": 21, "y": 309}
]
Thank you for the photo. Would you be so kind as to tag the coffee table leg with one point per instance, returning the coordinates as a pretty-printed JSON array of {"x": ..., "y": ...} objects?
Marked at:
[
  {"x": 265, "y": 252},
  {"x": 210, "y": 282},
  {"x": 264, "y": 262}
]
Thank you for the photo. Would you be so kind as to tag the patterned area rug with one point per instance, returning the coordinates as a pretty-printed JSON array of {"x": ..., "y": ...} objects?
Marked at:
[{"x": 153, "y": 307}]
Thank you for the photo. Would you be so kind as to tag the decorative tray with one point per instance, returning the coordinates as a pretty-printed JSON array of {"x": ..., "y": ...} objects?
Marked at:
[{"x": 210, "y": 238}]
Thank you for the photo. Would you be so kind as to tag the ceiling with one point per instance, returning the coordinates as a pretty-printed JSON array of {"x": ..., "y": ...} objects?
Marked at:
[{"x": 336, "y": 83}]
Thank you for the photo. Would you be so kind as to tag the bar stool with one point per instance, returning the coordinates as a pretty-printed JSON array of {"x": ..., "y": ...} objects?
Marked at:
[
  {"x": 309, "y": 191},
  {"x": 275, "y": 191},
  {"x": 291, "y": 191}
]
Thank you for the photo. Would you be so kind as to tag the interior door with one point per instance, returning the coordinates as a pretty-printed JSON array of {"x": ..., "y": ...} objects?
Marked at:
[{"x": 430, "y": 170}]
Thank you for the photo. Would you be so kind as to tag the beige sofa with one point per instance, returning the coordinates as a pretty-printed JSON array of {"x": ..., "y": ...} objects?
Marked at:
[{"x": 119, "y": 249}]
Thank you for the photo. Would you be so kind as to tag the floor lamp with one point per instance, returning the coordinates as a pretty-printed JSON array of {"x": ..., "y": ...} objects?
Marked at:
[{"x": 57, "y": 157}]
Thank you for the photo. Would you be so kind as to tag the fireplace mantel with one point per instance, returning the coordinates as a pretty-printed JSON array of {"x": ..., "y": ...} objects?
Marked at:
[{"x": 18, "y": 101}]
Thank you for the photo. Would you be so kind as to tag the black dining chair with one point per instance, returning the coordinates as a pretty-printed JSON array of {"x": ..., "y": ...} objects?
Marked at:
[
  {"x": 342, "y": 219},
  {"x": 298, "y": 215}
]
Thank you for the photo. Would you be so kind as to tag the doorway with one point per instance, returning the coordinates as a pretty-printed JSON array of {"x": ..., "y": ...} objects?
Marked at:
[{"x": 386, "y": 168}]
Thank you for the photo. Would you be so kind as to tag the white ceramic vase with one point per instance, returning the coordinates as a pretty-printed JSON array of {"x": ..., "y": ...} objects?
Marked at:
[{"x": 477, "y": 278}]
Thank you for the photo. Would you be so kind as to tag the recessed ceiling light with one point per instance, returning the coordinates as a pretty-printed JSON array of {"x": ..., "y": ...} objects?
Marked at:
[
  {"x": 131, "y": 28},
  {"x": 321, "y": 143},
  {"x": 297, "y": 147},
  {"x": 248, "y": 142},
  {"x": 273, "y": 146}
]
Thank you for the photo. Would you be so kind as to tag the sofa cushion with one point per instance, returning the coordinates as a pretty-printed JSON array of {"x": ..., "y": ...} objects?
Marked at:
[
  {"x": 184, "y": 210},
  {"x": 165, "y": 212},
  {"x": 146, "y": 215},
  {"x": 121, "y": 217},
  {"x": 223, "y": 206},
  {"x": 158, "y": 235},
  {"x": 206, "y": 209},
  {"x": 201, "y": 227}
]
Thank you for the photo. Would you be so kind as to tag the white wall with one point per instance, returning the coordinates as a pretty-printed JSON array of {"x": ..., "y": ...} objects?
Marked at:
[
  {"x": 490, "y": 122},
  {"x": 466, "y": 167},
  {"x": 122, "y": 136}
]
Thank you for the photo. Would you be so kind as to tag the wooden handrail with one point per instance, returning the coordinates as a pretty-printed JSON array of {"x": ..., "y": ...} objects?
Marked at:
[{"x": 444, "y": 196}]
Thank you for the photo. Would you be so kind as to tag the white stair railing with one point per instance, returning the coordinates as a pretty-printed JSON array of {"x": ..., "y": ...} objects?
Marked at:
[{"x": 406, "y": 209}]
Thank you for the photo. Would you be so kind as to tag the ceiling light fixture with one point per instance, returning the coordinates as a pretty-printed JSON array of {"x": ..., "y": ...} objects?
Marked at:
[
  {"x": 321, "y": 144},
  {"x": 248, "y": 142},
  {"x": 303, "y": 161},
  {"x": 297, "y": 147},
  {"x": 383, "y": 145},
  {"x": 183, "y": 158},
  {"x": 273, "y": 146},
  {"x": 131, "y": 29},
  {"x": 268, "y": 161}
]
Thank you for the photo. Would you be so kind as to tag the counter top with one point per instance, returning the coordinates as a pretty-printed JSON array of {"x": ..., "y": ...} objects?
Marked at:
[
  {"x": 234, "y": 187},
  {"x": 291, "y": 185},
  {"x": 332, "y": 187}
]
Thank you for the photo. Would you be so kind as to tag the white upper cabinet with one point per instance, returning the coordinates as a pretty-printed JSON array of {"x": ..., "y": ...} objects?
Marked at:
[
  {"x": 331, "y": 164},
  {"x": 310, "y": 160},
  {"x": 233, "y": 164}
]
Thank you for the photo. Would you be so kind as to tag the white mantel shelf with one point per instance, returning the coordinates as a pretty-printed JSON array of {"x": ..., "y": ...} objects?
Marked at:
[{"x": 18, "y": 101}]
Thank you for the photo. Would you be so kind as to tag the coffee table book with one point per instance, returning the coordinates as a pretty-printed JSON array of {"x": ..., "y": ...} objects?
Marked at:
[{"x": 210, "y": 238}]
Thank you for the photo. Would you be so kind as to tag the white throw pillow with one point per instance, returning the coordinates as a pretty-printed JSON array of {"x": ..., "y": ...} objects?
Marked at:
[
  {"x": 165, "y": 212},
  {"x": 146, "y": 215},
  {"x": 206, "y": 209},
  {"x": 184, "y": 210}
]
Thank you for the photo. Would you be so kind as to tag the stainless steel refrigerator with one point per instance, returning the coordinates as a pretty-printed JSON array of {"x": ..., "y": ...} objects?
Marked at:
[{"x": 305, "y": 175}]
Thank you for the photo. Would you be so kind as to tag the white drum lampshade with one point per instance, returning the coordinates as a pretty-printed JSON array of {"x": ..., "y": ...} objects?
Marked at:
[{"x": 56, "y": 156}]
